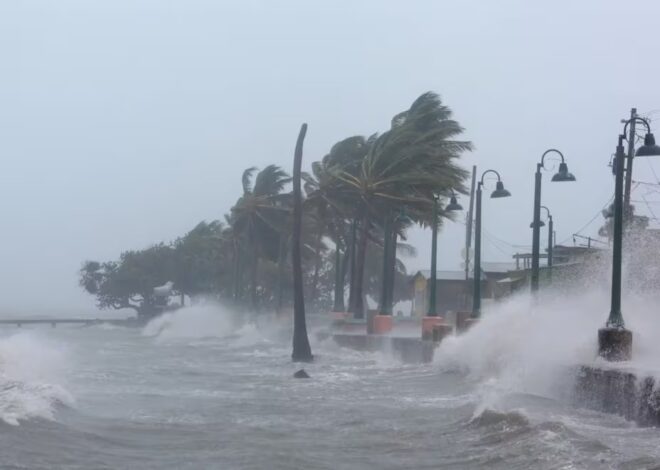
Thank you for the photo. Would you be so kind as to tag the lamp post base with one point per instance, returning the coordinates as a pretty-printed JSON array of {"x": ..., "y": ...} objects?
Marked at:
[
  {"x": 440, "y": 331},
  {"x": 615, "y": 344},
  {"x": 382, "y": 324},
  {"x": 461, "y": 319},
  {"x": 470, "y": 322},
  {"x": 464, "y": 321},
  {"x": 427, "y": 325}
]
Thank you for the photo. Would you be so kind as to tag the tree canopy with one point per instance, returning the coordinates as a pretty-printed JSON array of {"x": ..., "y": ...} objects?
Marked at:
[{"x": 348, "y": 195}]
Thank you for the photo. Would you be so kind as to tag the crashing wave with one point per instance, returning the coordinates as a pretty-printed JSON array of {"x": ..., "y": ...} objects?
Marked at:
[{"x": 31, "y": 376}]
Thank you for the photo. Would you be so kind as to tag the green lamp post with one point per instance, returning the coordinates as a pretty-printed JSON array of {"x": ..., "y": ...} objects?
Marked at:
[
  {"x": 614, "y": 340},
  {"x": 561, "y": 176},
  {"x": 453, "y": 206},
  {"x": 498, "y": 193}
]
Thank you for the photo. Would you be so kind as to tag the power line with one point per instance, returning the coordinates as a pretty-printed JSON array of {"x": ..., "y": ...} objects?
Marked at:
[
  {"x": 577, "y": 232},
  {"x": 648, "y": 161}
]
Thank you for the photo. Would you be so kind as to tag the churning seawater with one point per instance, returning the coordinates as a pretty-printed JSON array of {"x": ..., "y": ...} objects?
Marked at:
[{"x": 199, "y": 390}]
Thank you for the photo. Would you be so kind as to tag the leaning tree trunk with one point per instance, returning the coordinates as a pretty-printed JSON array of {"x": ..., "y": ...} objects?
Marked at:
[
  {"x": 302, "y": 352},
  {"x": 253, "y": 280},
  {"x": 237, "y": 272},
  {"x": 317, "y": 264},
  {"x": 339, "y": 282},
  {"x": 280, "y": 273},
  {"x": 392, "y": 270},
  {"x": 359, "y": 266},
  {"x": 351, "y": 265}
]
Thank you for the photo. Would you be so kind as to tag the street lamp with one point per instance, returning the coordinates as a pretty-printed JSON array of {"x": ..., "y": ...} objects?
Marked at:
[
  {"x": 561, "y": 175},
  {"x": 550, "y": 232},
  {"x": 550, "y": 235},
  {"x": 498, "y": 193},
  {"x": 432, "y": 319},
  {"x": 631, "y": 153},
  {"x": 614, "y": 340},
  {"x": 453, "y": 206}
]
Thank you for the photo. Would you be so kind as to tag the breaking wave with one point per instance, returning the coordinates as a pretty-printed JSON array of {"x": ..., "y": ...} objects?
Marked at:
[
  {"x": 526, "y": 346},
  {"x": 31, "y": 378},
  {"x": 195, "y": 322}
]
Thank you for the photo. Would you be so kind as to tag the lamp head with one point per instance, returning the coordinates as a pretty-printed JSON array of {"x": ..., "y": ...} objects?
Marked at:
[
  {"x": 453, "y": 205},
  {"x": 563, "y": 174},
  {"x": 500, "y": 191},
  {"x": 541, "y": 224},
  {"x": 649, "y": 149}
]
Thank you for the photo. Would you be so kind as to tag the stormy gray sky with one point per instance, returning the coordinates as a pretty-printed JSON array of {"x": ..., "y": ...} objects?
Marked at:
[{"x": 125, "y": 122}]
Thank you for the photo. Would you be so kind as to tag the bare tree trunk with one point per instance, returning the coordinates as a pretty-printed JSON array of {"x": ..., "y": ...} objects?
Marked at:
[
  {"x": 253, "y": 280},
  {"x": 302, "y": 352},
  {"x": 352, "y": 264},
  {"x": 359, "y": 266},
  {"x": 339, "y": 282},
  {"x": 237, "y": 272},
  {"x": 391, "y": 267},
  {"x": 317, "y": 264},
  {"x": 281, "y": 265}
]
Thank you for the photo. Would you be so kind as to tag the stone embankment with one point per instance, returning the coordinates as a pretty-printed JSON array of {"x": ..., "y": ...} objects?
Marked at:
[{"x": 619, "y": 390}]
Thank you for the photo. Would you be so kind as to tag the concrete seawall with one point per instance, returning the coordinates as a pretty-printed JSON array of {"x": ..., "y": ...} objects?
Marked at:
[
  {"x": 625, "y": 392},
  {"x": 406, "y": 349}
]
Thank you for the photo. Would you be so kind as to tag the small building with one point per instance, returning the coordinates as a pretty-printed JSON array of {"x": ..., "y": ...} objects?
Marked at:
[{"x": 454, "y": 292}]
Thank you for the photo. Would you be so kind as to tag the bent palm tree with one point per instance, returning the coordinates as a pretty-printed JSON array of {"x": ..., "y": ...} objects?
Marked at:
[
  {"x": 259, "y": 216},
  {"x": 403, "y": 168}
]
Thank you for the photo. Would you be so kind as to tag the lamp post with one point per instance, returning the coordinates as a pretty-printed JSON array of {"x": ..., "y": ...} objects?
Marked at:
[
  {"x": 614, "y": 340},
  {"x": 453, "y": 206},
  {"x": 561, "y": 175},
  {"x": 433, "y": 326},
  {"x": 550, "y": 236},
  {"x": 498, "y": 193},
  {"x": 550, "y": 233}
]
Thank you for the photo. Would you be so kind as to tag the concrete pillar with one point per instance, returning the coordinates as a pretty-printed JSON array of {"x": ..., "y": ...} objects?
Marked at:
[
  {"x": 382, "y": 324},
  {"x": 427, "y": 325},
  {"x": 615, "y": 344},
  {"x": 462, "y": 320},
  {"x": 440, "y": 331}
]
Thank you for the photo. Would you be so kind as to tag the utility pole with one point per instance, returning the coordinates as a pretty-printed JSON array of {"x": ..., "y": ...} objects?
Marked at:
[
  {"x": 468, "y": 233},
  {"x": 627, "y": 212}
]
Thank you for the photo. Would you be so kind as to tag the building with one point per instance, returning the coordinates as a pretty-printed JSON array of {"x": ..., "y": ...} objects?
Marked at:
[{"x": 454, "y": 292}]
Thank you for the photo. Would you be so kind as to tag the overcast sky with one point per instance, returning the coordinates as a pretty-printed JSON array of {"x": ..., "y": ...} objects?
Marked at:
[{"x": 125, "y": 122}]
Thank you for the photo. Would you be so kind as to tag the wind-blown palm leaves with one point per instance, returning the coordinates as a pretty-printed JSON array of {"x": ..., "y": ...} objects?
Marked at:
[
  {"x": 355, "y": 187},
  {"x": 259, "y": 218},
  {"x": 326, "y": 207},
  {"x": 403, "y": 168}
]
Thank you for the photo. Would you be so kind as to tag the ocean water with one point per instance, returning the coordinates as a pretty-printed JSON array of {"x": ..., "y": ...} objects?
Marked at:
[{"x": 200, "y": 389}]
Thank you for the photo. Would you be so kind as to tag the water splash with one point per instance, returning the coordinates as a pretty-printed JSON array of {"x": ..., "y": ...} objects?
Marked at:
[
  {"x": 525, "y": 346},
  {"x": 208, "y": 320},
  {"x": 32, "y": 371}
]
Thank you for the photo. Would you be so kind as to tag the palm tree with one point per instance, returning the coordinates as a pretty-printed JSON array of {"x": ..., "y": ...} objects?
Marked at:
[
  {"x": 330, "y": 211},
  {"x": 302, "y": 352},
  {"x": 403, "y": 168},
  {"x": 258, "y": 217}
]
